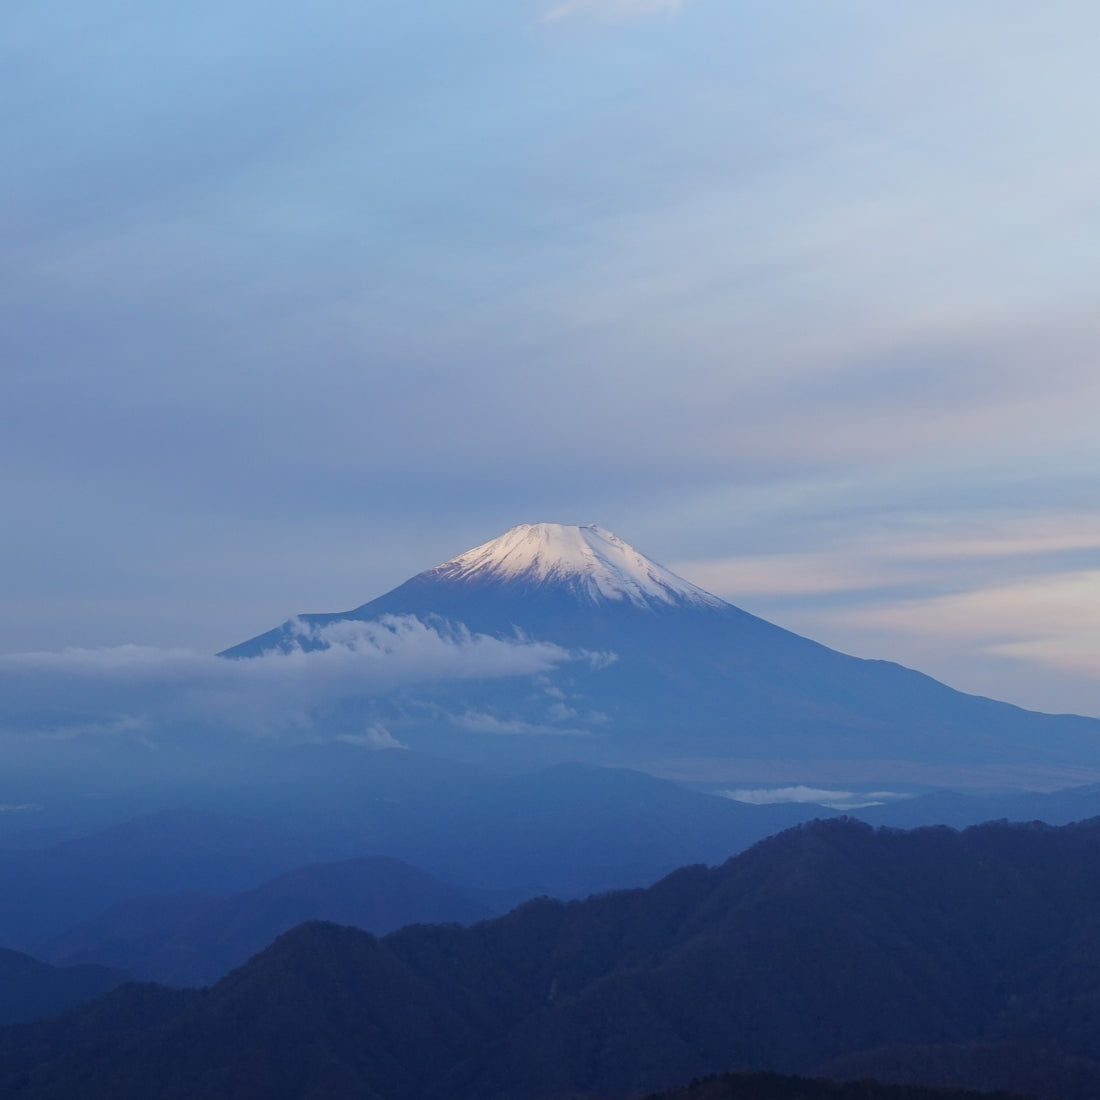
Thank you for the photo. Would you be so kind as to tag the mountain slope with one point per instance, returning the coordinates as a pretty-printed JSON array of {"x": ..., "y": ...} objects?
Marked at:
[
  {"x": 373, "y": 893},
  {"x": 825, "y": 941},
  {"x": 48, "y": 890},
  {"x": 773, "y": 1086},
  {"x": 30, "y": 989},
  {"x": 657, "y": 669},
  {"x": 569, "y": 831}
]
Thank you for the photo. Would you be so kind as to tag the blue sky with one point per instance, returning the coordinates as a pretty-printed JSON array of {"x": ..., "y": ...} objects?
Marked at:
[{"x": 796, "y": 297}]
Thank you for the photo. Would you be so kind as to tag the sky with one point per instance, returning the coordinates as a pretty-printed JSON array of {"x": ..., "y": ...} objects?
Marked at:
[{"x": 797, "y": 297}]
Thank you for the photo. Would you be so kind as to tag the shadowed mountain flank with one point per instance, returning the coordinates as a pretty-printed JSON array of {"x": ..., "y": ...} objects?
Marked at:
[
  {"x": 826, "y": 941},
  {"x": 30, "y": 989},
  {"x": 192, "y": 940}
]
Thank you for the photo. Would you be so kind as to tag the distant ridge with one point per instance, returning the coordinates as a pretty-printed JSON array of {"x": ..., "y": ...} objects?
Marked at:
[
  {"x": 201, "y": 942},
  {"x": 30, "y": 989},
  {"x": 826, "y": 941}
]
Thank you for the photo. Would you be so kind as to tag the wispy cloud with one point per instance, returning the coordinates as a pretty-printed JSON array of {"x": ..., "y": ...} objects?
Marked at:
[
  {"x": 482, "y": 722},
  {"x": 814, "y": 796},
  {"x": 911, "y": 555},
  {"x": 376, "y": 737},
  {"x": 139, "y": 692},
  {"x": 1001, "y": 604},
  {"x": 612, "y": 10},
  {"x": 1052, "y": 619}
]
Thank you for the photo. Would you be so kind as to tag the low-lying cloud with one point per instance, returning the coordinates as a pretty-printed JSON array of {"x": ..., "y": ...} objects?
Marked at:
[
  {"x": 142, "y": 693},
  {"x": 816, "y": 796},
  {"x": 482, "y": 722}
]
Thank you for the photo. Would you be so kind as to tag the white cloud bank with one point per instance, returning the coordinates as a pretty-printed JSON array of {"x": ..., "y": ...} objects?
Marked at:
[
  {"x": 141, "y": 692},
  {"x": 814, "y": 796}
]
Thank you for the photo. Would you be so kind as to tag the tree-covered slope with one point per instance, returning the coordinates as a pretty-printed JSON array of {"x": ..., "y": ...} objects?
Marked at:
[{"x": 822, "y": 942}]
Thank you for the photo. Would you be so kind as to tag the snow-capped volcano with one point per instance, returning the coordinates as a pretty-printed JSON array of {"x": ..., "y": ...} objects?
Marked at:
[
  {"x": 548, "y": 581},
  {"x": 650, "y": 667},
  {"x": 586, "y": 560}
]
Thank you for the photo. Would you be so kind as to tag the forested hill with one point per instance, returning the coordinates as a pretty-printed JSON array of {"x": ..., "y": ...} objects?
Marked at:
[
  {"x": 823, "y": 942},
  {"x": 774, "y": 1086}
]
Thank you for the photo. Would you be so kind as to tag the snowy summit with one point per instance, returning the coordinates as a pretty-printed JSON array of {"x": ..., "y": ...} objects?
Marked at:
[
  {"x": 587, "y": 560},
  {"x": 514, "y": 582}
]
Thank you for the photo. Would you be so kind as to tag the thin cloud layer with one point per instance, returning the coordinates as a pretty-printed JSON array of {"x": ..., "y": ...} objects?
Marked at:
[
  {"x": 998, "y": 603},
  {"x": 612, "y": 10},
  {"x": 815, "y": 796},
  {"x": 1053, "y": 619},
  {"x": 142, "y": 693},
  {"x": 916, "y": 553}
]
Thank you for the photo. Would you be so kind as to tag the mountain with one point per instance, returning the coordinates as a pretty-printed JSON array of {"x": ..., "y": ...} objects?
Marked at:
[
  {"x": 192, "y": 940},
  {"x": 774, "y": 1086},
  {"x": 655, "y": 670},
  {"x": 125, "y": 1013},
  {"x": 30, "y": 989},
  {"x": 1032, "y": 1066},
  {"x": 568, "y": 830},
  {"x": 553, "y": 581},
  {"x": 826, "y": 941},
  {"x": 48, "y": 890}
]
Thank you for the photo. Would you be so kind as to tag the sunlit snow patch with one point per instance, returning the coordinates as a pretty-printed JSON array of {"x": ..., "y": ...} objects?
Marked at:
[{"x": 588, "y": 559}]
